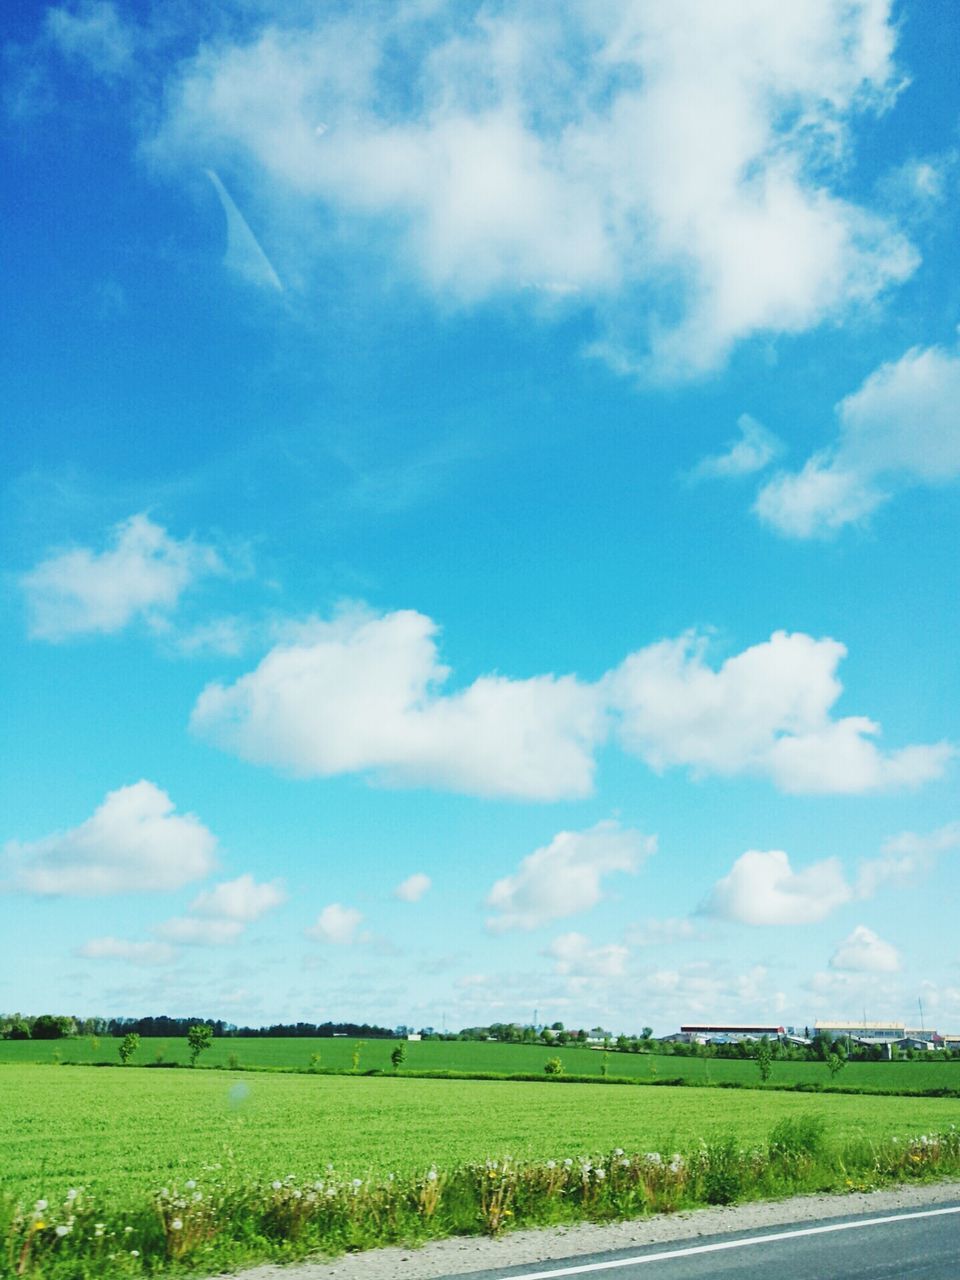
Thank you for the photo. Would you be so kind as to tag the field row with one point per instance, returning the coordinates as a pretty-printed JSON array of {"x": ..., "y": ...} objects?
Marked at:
[{"x": 468, "y": 1056}]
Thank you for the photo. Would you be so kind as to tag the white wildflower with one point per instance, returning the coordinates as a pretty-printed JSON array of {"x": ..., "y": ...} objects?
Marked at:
[
  {"x": 40, "y": 1206},
  {"x": 63, "y": 1230},
  {"x": 653, "y": 1157},
  {"x": 176, "y": 1225},
  {"x": 190, "y": 1183},
  {"x": 276, "y": 1184}
]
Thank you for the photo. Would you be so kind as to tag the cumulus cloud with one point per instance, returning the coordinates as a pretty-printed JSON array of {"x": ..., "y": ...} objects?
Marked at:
[
  {"x": 905, "y": 857},
  {"x": 147, "y": 954},
  {"x": 901, "y": 428},
  {"x": 134, "y": 842},
  {"x": 142, "y": 573},
  {"x": 221, "y": 915},
  {"x": 765, "y": 711},
  {"x": 337, "y": 924},
  {"x": 864, "y": 952},
  {"x": 762, "y": 888},
  {"x": 365, "y": 694},
  {"x": 242, "y": 899},
  {"x": 565, "y": 877},
  {"x": 669, "y": 167},
  {"x": 413, "y": 888},
  {"x": 755, "y": 449},
  {"x": 574, "y": 955}
]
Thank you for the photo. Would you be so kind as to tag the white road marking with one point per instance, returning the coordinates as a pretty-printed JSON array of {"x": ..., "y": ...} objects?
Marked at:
[{"x": 641, "y": 1259}]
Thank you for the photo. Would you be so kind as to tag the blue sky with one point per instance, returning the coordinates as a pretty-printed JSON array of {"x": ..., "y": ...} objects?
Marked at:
[{"x": 481, "y": 511}]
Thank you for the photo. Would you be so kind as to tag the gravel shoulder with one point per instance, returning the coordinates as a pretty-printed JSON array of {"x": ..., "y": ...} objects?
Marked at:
[{"x": 464, "y": 1254}]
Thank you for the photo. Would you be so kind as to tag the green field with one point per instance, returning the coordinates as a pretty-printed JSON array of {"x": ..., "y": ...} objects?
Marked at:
[
  {"x": 480, "y": 1056},
  {"x": 120, "y": 1131}
]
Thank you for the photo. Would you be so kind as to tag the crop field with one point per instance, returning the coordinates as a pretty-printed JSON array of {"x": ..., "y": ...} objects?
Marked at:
[
  {"x": 480, "y": 1056},
  {"x": 119, "y": 1131}
]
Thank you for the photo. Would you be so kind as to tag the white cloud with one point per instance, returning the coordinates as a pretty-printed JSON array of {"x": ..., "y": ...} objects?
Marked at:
[
  {"x": 133, "y": 842},
  {"x": 763, "y": 889},
  {"x": 565, "y": 877},
  {"x": 147, "y": 954},
  {"x": 220, "y": 915},
  {"x": 905, "y": 857},
  {"x": 670, "y": 166},
  {"x": 657, "y": 933},
  {"x": 765, "y": 711},
  {"x": 242, "y": 899},
  {"x": 143, "y": 573},
  {"x": 901, "y": 428},
  {"x": 365, "y": 694},
  {"x": 575, "y": 956},
  {"x": 194, "y": 931},
  {"x": 337, "y": 924},
  {"x": 755, "y": 449},
  {"x": 864, "y": 952},
  {"x": 93, "y": 33},
  {"x": 413, "y": 888}
]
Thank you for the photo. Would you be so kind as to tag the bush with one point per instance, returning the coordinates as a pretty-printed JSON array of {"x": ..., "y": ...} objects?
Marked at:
[
  {"x": 796, "y": 1137},
  {"x": 128, "y": 1046},
  {"x": 722, "y": 1173},
  {"x": 553, "y": 1067},
  {"x": 199, "y": 1037}
]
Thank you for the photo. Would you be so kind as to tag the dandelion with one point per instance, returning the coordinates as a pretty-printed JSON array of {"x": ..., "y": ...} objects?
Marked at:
[
  {"x": 39, "y": 1225},
  {"x": 618, "y": 1151},
  {"x": 624, "y": 1163},
  {"x": 676, "y": 1162},
  {"x": 432, "y": 1175},
  {"x": 134, "y": 1253},
  {"x": 276, "y": 1184},
  {"x": 176, "y": 1225},
  {"x": 551, "y": 1164},
  {"x": 357, "y": 1183},
  {"x": 568, "y": 1163},
  {"x": 197, "y": 1195},
  {"x": 72, "y": 1195},
  {"x": 190, "y": 1183},
  {"x": 653, "y": 1157},
  {"x": 600, "y": 1173},
  {"x": 63, "y": 1230},
  {"x": 98, "y": 1228},
  {"x": 128, "y": 1231},
  {"x": 40, "y": 1206}
]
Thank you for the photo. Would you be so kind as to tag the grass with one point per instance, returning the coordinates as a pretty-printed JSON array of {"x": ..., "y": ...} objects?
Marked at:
[
  {"x": 481, "y": 1056},
  {"x": 137, "y": 1129},
  {"x": 134, "y": 1172}
]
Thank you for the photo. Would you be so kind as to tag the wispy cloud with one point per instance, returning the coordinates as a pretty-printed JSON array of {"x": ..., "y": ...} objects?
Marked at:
[{"x": 243, "y": 255}]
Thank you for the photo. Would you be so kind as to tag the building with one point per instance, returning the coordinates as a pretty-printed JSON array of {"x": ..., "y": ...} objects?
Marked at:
[
  {"x": 864, "y": 1032},
  {"x": 703, "y": 1034}
]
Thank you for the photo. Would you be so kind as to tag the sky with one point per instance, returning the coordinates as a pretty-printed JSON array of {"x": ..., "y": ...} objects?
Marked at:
[{"x": 480, "y": 511}]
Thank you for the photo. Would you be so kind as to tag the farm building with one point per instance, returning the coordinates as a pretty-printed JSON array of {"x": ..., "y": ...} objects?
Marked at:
[{"x": 703, "y": 1034}]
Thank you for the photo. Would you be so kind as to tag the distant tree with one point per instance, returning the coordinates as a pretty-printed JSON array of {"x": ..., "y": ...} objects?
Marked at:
[
  {"x": 398, "y": 1055},
  {"x": 553, "y": 1067},
  {"x": 17, "y": 1028},
  {"x": 556, "y": 1026},
  {"x": 199, "y": 1037},
  {"x": 764, "y": 1058},
  {"x": 128, "y": 1046},
  {"x": 623, "y": 1044},
  {"x": 646, "y": 1033},
  {"x": 50, "y": 1027}
]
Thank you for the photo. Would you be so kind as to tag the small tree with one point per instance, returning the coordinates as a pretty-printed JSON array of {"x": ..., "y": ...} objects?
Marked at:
[
  {"x": 835, "y": 1062},
  {"x": 128, "y": 1046},
  {"x": 355, "y": 1056},
  {"x": 764, "y": 1057},
  {"x": 553, "y": 1067},
  {"x": 398, "y": 1055},
  {"x": 199, "y": 1037}
]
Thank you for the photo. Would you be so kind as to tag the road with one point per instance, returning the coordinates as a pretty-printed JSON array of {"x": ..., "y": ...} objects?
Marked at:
[{"x": 920, "y": 1245}]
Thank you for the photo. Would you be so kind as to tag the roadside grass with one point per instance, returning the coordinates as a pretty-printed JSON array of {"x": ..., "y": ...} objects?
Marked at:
[
  {"x": 216, "y": 1221},
  {"x": 470, "y": 1059}
]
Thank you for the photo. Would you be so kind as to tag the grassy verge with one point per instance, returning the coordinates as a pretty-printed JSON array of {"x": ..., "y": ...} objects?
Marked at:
[{"x": 214, "y": 1222}]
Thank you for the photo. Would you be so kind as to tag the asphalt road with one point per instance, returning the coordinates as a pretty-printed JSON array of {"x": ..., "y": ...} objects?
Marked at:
[{"x": 920, "y": 1245}]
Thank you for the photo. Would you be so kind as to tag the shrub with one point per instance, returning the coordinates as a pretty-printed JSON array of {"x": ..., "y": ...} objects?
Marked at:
[
  {"x": 722, "y": 1176},
  {"x": 553, "y": 1067},
  {"x": 199, "y": 1037},
  {"x": 398, "y": 1055},
  {"x": 128, "y": 1046}
]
